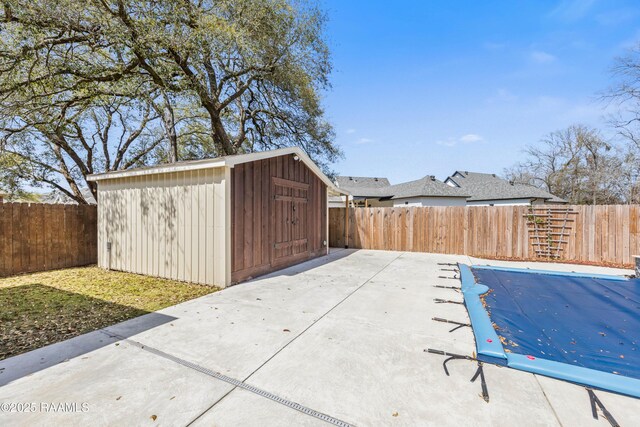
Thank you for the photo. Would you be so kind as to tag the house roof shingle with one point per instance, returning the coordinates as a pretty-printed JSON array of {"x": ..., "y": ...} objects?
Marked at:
[
  {"x": 362, "y": 186},
  {"x": 58, "y": 197},
  {"x": 428, "y": 186},
  {"x": 486, "y": 186}
]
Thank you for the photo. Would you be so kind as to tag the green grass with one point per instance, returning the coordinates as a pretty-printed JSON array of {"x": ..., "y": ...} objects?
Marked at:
[{"x": 43, "y": 308}]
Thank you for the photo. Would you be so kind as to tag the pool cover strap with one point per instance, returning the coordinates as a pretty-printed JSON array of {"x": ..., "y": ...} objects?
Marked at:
[
  {"x": 453, "y": 322},
  {"x": 453, "y": 356},
  {"x": 595, "y": 404},
  {"x": 483, "y": 383}
]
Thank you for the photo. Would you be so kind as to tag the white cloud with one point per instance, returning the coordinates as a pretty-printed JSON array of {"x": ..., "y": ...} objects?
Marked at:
[
  {"x": 350, "y": 131},
  {"x": 541, "y": 57},
  {"x": 466, "y": 139},
  {"x": 471, "y": 137},
  {"x": 494, "y": 46},
  {"x": 449, "y": 142},
  {"x": 364, "y": 141},
  {"x": 572, "y": 10},
  {"x": 502, "y": 96},
  {"x": 550, "y": 102},
  {"x": 616, "y": 16},
  {"x": 631, "y": 42}
]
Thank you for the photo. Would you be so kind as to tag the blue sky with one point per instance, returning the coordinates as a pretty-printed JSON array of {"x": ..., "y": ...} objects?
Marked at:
[{"x": 429, "y": 87}]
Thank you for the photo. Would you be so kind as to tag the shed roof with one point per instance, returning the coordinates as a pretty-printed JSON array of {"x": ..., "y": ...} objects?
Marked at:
[
  {"x": 216, "y": 162},
  {"x": 486, "y": 186}
]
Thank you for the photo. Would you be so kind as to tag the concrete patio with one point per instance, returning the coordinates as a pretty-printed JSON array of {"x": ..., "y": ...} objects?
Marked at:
[{"x": 339, "y": 339}]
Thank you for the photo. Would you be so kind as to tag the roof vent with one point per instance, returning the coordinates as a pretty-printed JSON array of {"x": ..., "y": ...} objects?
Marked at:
[
  {"x": 350, "y": 178},
  {"x": 375, "y": 179},
  {"x": 432, "y": 177},
  {"x": 493, "y": 175},
  {"x": 466, "y": 172},
  {"x": 511, "y": 182}
]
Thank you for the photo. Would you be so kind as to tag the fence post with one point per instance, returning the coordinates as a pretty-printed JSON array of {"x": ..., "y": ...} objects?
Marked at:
[{"x": 346, "y": 223}]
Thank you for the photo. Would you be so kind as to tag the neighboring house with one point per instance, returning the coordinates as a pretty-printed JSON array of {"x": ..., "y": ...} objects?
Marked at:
[
  {"x": 58, "y": 197},
  {"x": 377, "y": 192},
  {"x": 364, "y": 191},
  {"x": 487, "y": 189},
  {"x": 427, "y": 191}
]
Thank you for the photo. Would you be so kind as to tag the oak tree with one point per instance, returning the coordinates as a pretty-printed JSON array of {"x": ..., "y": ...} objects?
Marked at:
[{"x": 99, "y": 85}]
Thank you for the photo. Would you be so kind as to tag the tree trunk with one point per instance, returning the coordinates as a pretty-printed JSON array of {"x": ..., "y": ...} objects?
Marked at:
[
  {"x": 169, "y": 123},
  {"x": 221, "y": 139},
  {"x": 93, "y": 187}
]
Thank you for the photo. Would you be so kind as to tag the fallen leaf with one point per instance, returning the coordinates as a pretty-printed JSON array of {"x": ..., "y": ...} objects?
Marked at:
[
  {"x": 395, "y": 414},
  {"x": 286, "y": 330},
  {"x": 119, "y": 397},
  {"x": 154, "y": 417}
]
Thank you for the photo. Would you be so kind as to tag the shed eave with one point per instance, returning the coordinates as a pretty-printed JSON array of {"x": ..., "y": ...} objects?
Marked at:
[
  {"x": 153, "y": 170},
  {"x": 228, "y": 161}
]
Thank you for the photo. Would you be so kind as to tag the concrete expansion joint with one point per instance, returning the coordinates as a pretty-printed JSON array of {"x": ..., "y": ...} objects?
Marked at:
[{"x": 236, "y": 383}]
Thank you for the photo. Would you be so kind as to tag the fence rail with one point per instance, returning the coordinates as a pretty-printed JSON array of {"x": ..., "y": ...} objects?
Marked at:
[
  {"x": 39, "y": 237},
  {"x": 598, "y": 234}
]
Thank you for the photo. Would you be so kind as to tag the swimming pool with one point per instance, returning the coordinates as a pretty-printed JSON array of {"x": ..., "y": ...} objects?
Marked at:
[{"x": 576, "y": 327}]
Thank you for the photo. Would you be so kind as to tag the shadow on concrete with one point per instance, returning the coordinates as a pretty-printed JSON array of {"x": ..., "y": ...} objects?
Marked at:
[
  {"x": 41, "y": 326},
  {"x": 304, "y": 266}
]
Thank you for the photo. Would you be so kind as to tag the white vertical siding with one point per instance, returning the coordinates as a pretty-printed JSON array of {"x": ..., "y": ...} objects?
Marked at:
[
  {"x": 506, "y": 202},
  {"x": 429, "y": 201},
  {"x": 171, "y": 225},
  {"x": 210, "y": 230}
]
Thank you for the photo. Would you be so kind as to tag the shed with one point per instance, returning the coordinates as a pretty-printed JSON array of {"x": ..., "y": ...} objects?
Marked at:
[{"x": 217, "y": 221}]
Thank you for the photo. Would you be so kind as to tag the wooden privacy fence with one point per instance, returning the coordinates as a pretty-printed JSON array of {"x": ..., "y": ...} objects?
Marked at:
[
  {"x": 38, "y": 237},
  {"x": 597, "y": 234}
]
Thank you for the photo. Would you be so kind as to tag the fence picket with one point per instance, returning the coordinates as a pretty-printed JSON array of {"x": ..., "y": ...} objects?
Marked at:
[
  {"x": 37, "y": 237},
  {"x": 601, "y": 234}
]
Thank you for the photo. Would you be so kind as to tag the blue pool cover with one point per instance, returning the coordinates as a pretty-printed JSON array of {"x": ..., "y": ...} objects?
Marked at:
[{"x": 580, "y": 328}]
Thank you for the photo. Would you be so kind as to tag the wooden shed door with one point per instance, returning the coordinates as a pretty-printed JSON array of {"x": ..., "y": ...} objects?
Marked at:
[{"x": 289, "y": 216}]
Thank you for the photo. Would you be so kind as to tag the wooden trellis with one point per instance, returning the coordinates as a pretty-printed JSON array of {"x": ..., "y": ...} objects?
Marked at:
[{"x": 549, "y": 228}]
